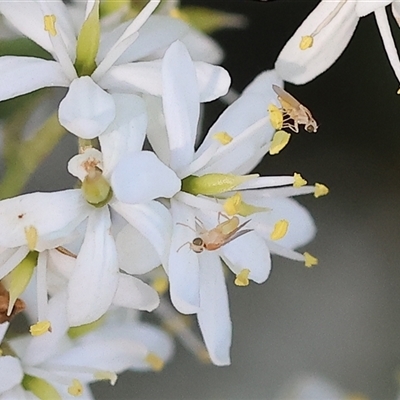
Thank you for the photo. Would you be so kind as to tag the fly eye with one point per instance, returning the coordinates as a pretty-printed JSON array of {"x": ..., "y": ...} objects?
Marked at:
[
  {"x": 198, "y": 241},
  {"x": 310, "y": 129}
]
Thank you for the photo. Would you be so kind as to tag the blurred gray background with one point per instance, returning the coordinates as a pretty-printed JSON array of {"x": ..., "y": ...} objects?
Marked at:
[{"x": 341, "y": 318}]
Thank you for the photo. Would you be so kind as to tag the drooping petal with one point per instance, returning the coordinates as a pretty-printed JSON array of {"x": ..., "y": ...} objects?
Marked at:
[
  {"x": 248, "y": 252},
  {"x": 152, "y": 220},
  {"x": 183, "y": 263},
  {"x": 20, "y": 75},
  {"x": 301, "y": 66},
  {"x": 214, "y": 319},
  {"x": 126, "y": 133},
  {"x": 53, "y": 215},
  {"x": 87, "y": 110},
  {"x": 136, "y": 255},
  {"x": 94, "y": 282},
  {"x": 12, "y": 373},
  {"x": 180, "y": 103},
  {"x": 134, "y": 293},
  {"x": 140, "y": 177}
]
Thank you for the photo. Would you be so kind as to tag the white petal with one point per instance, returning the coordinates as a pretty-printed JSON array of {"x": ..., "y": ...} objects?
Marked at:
[
  {"x": 133, "y": 293},
  {"x": 214, "y": 320},
  {"x": 301, "y": 66},
  {"x": 77, "y": 164},
  {"x": 18, "y": 392},
  {"x": 152, "y": 220},
  {"x": 20, "y": 75},
  {"x": 95, "y": 279},
  {"x": 181, "y": 104},
  {"x": 140, "y": 177},
  {"x": 136, "y": 255},
  {"x": 126, "y": 133},
  {"x": 3, "y": 329},
  {"x": 365, "y": 7},
  {"x": 53, "y": 215},
  {"x": 248, "y": 252},
  {"x": 87, "y": 110},
  {"x": 12, "y": 373},
  {"x": 27, "y": 17},
  {"x": 183, "y": 264}
]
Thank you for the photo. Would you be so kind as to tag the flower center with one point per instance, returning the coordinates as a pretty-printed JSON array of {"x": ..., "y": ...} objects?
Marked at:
[{"x": 95, "y": 187}]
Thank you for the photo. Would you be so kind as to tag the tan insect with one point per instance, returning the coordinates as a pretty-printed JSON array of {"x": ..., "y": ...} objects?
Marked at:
[
  {"x": 215, "y": 238},
  {"x": 295, "y": 111}
]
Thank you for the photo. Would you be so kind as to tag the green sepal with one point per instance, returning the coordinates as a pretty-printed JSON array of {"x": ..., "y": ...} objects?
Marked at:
[{"x": 40, "y": 388}]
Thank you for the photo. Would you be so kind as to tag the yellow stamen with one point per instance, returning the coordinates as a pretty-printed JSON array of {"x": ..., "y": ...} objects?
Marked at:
[
  {"x": 242, "y": 278},
  {"x": 275, "y": 116},
  {"x": 398, "y": 91},
  {"x": 76, "y": 388},
  {"x": 280, "y": 229},
  {"x": 160, "y": 285},
  {"x": 155, "y": 362},
  {"x": 31, "y": 236},
  {"x": 298, "y": 180},
  {"x": 50, "y": 24},
  {"x": 279, "y": 142},
  {"x": 306, "y": 42},
  {"x": 223, "y": 137},
  {"x": 40, "y": 328},
  {"x": 232, "y": 204},
  {"x": 106, "y": 376},
  {"x": 309, "y": 260},
  {"x": 320, "y": 190}
]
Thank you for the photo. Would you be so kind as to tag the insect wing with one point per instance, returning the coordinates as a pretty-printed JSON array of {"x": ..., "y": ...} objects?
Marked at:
[
  {"x": 237, "y": 232},
  {"x": 286, "y": 97}
]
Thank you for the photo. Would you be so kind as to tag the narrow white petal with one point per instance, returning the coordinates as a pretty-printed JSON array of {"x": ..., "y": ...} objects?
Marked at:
[
  {"x": 214, "y": 319},
  {"x": 301, "y": 66},
  {"x": 248, "y": 252},
  {"x": 136, "y": 255},
  {"x": 94, "y": 282},
  {"x": 3, "y": 329},
  {"x": 87, "y": 110},
  {"x": 181, "y": 104},
  {"x": 12, "y": 373},
  {"x": 20, "y": 75},
  {"x": 140, "y": 177},
  {"x": 152, "y": 220},
  {"x": 364, "y": 8},
  {"x": 126, "y": 133},
  {"x": 53, "y": 215},
  {"x": 134, "y": 293},
  {"x": 183, "y": 264}
]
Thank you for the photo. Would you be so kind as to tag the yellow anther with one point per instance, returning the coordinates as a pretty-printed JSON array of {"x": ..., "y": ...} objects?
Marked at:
[
  {"x": 232, "y": 204},
  {"x": 279, "y": 142},
  {"x": 76, "y": 388},
  {"x": 309, "y": 260},
  {"x": 204, "y": 356},
  {"x": 31, "y": 236},
  {"x": 176, "y": 13},
  {"x": 306, "y": 42},
  {"x": 275, "y": 116},
  {"x": 280, "y": 229},
  {"x": 106, "y": 376},
  {"x": 223, "y": 137},
  {"x": 50, "y": 24},
  {"x": 298, "y": 180},
  {"x": 398, "y": 91},
  {"x": 320, "y": 190},
  {"x": 160, "y": 285},
  {"x": 40, "y": 328},
  {"x": 242, "y": 278},
  {"x": 155, "y": 362}
]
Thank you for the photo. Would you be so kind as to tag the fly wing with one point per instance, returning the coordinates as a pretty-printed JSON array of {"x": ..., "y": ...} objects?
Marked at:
[
  {"x": 238, "y": 234},
  {"x": 285, "y": 96}
]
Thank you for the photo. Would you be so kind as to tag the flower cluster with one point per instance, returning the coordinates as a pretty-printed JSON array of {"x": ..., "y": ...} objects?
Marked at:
[{"x": 157, "y": 205}]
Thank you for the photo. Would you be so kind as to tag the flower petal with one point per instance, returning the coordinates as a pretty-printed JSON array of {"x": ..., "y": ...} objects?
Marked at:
[
  {"x": 94, "y": 282},
  {"x": 133, "y": 293},
  {"x": 140, "y": 177},
  {"x": 87, "y": 110},
  {"x": 183, "y": 263},
  {"x": 301, "y": 66},
  {"x": 12, "y": 373},
  {"x": 364, "y": 8},
  {"x": 214, "y": 319},
  {"x": 20, "y": 75},
  {"x": 152, "y": 220}
]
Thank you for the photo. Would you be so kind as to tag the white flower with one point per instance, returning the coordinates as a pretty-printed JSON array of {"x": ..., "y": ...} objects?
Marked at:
[
  {"x": 325, "y": 33},
  {"x": 234, "y": 145},
  {"x": 88, "y": 68},
  {"x": 63, "y": 366}
]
